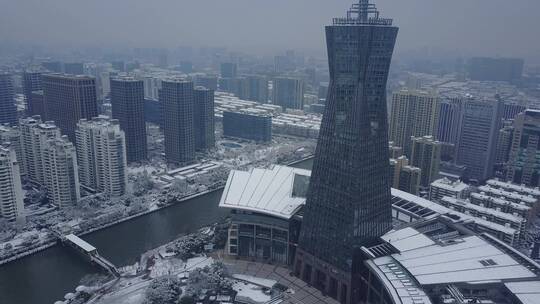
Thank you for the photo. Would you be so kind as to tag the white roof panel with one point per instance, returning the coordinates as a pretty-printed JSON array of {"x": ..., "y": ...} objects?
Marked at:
[
  {"x": 267, "y": 191},
  {"x": 80, "y": 242}
]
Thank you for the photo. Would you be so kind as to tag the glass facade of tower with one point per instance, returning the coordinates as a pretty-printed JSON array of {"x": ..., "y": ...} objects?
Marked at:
[{"x": 348, "y": 204}]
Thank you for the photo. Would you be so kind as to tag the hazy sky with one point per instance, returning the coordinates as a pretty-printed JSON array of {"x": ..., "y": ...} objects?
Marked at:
[{"x": 490, "y": 27}]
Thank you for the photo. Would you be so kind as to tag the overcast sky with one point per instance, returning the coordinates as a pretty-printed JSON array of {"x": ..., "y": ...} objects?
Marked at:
[{"x": 488, "y": 27}]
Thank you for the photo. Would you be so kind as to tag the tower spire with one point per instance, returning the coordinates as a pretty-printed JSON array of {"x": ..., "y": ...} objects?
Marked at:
[{"x": 362, "y": 10}]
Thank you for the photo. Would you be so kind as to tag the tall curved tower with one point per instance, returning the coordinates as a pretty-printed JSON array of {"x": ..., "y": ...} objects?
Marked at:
[{"x": 349, "y": 204}]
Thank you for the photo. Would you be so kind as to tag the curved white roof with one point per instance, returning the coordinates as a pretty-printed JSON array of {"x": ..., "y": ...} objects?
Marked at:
[{"x": 266, "y": 191}]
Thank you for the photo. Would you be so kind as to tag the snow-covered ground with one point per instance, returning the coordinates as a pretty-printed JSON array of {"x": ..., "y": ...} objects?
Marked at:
[{"x": 250, "y": 291}]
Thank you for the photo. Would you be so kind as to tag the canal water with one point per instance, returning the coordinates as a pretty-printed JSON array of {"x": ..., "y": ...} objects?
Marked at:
[{"x": 47, "y": 276}]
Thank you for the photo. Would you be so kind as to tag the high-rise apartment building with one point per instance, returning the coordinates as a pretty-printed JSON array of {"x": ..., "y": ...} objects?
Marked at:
[
  {"x": 177, "y": 98},
  {"x": 34, "y": 135},
  {"x": 101, "y": 154},
  {"x": 250, "y": 125},
  {"x": 12, "y": 135},
  {"x": 414, "y": 113},
  {"x": 31, "y": 83},
  {"x": 348, "y": 204},
  {"x": 288, "y": 92},
  {"x": 60, "y": 171},
  {"x": 449, "y": 120},
  {"x": 426, "y": 155},
  {"x": 208, "y": 81},
  {"x": 478, "y": 137},
  {"x": 204, "y": 118},
  {"x": 524, "y": 164},
  {"x": 11, "y": 193},
  {"x": 229, "y": 70},
  {"x": 404, "y": 176},
  {"x": 8, "y": 110},
  {"x": 127, "y": 99},
  {"x": 258, "y": 88},
  {"x": 67, "y": 99},
  {"x": 504, "y": 144}
]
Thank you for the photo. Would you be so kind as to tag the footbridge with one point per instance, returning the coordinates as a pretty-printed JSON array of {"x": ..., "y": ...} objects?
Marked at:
[{"x": 87, "y": 250}]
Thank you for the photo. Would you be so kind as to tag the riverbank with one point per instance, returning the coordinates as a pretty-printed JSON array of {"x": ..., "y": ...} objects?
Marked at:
[{"x": 53, "y": 242}]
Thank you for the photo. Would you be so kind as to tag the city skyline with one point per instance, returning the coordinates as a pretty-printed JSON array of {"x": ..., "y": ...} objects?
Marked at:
[
  {"x": 138, "y": 167},
  {"x": 458, "y": 27}
]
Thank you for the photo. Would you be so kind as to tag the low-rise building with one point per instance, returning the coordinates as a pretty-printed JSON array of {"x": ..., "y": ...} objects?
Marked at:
[
  {"x": 438, "y": 261},
  {"x": 265, "y": 206},
  {"x": 446, "y": 187},
  {"x": 514, "y": 221}
]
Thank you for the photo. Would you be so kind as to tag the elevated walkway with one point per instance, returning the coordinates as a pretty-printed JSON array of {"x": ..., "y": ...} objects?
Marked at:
[{"x": 88, "y": 251}]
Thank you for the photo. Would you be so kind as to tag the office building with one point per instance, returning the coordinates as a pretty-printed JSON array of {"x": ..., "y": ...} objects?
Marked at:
[
  {"x": 426, "y": 155},
  {"x": 31, "y": 83},
  {"x": 449, "y": 120},
  {"x": 495, "y": 69},
  {"x": 248, "y": 124},
  {"x": 258, "y": 89},
  {"x": 413, "y": 113},
  {"x": 229, "y": 70},
  {"x": 101, "y": 155},
  {"x": 524, "y": 165},
  {"x": 208, "y": 81},
  {"x": 477, "y": 142},
  {"x": 446, "y": 187},
  {"x": 8, "y": 110},
  {"x": 265, "y": 227},
  {"x": 127, "y": 100},
  {"x": 68, "y": 99},
  {"x": 11, "y": 193},
  {"x": 348, "y": 204},
  {"x": 441, "y": 261},
  {"x": 204, "y": 118},
  {"x": 60, "y": 172},
  {"x": 288, "y": 93},
  {"x": 34, "y": 135},
  {"x": 177, "y": 98},
  {"x": 74, "y": 68}
]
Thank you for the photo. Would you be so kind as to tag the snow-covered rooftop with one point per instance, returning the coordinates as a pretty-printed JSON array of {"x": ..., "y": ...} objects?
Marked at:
[
  {"x": 423, "y": 261},
  {"x": 267, "y": 191},
  {"x": 447, "y": 184},
  {"x": 460, "y": 262},
  {"x": 526, "y": 292}
]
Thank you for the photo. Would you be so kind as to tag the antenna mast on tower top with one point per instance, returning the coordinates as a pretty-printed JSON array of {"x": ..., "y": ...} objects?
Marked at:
[
  {"x": 362, "y": 10},
  {"x": 363, "y": 13}
]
